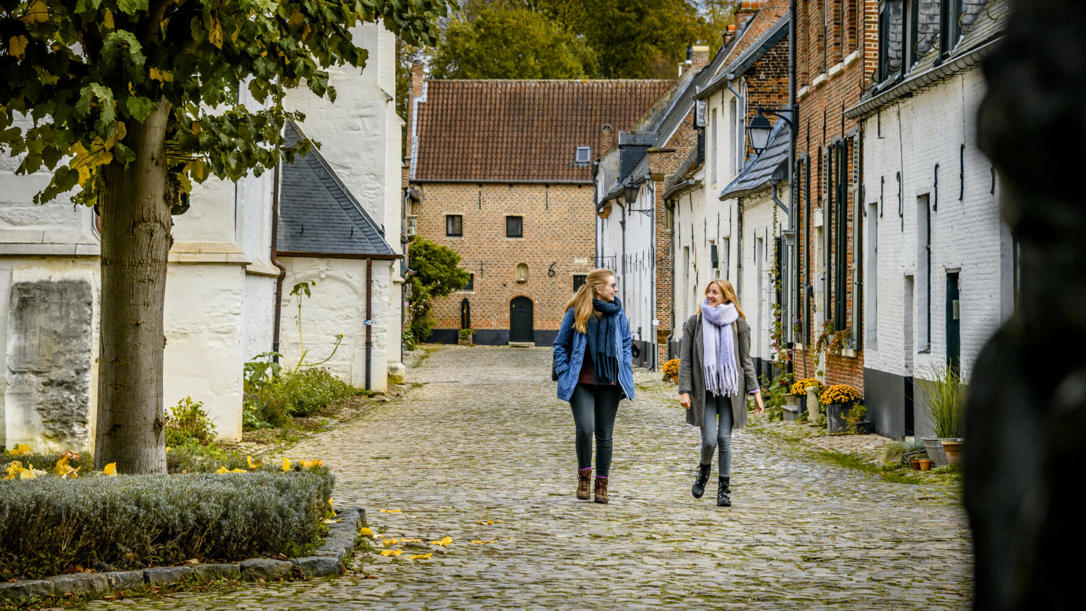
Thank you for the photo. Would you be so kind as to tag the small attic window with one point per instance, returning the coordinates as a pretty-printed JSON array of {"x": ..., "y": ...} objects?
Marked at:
[{"x": 583, "y": 155}]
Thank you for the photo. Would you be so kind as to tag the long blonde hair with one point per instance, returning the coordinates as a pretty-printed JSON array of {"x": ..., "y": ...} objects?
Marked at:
[
  {"x": 727, "y": 290},
  {"x": 582, "y": 300}
]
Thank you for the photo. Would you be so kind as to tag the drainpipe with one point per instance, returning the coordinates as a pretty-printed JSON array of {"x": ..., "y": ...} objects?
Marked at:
[
  {"x": 651, "y": 184},
  {"x": 275, "y": 261},
  {"x": 793, "y": 196},
  {"x": 369, "y": 318}
]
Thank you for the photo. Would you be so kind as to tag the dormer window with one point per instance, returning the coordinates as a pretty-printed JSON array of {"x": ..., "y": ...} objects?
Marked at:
[{"x": 583, "y": 155}]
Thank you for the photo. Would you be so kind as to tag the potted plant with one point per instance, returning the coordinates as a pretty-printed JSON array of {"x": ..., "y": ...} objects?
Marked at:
[
  {"x": 798, "y": 393},
  {"x": 671, "y": 371},
  {"x": 838, "y": 400},
  {"x": 465, "y": 337},
  {"x": 944, "y": 400}
]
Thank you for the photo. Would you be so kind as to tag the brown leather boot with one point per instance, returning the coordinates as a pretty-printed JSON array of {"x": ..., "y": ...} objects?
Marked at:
[
  {"x": 584, "y": 477},
  {"x": 601, "y": 489}
]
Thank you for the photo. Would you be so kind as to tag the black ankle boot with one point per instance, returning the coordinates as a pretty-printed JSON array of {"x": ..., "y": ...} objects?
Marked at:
[
  {"x": 700, "y": 481},
  {"x": 724, "y": 492}
]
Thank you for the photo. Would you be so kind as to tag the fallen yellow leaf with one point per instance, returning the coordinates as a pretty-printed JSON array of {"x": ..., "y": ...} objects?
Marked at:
[
  {"x": 252, "y": 464},
  {"x": 286, "y": 465},
  {"x": 421, "y": 556},
  {"x": 21, "y": 450},
  {"x": 442, "y": 541},
  {"x": 13, "y": 469},
  {"x": 238, "y": 471},
  {"x": 391, "y": 552},
  {"x": 388, "y": 542},
  {"x": 110, "y": 469},
  {"x": 410, "y": 540},
  {"x": 330, "y": 504},
  {"x": 391, "y": 511},
  {"x": 365, "y": 532},
  {"x": 478, "y": 542},
  {"x": 222, "y": 470}
]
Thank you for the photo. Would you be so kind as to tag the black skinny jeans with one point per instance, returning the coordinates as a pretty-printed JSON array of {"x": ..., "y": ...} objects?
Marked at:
[{"x": 594, "y": 408}]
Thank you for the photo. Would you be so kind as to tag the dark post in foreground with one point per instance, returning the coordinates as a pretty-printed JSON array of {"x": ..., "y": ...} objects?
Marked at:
[{"x": 1026, "y": 414}]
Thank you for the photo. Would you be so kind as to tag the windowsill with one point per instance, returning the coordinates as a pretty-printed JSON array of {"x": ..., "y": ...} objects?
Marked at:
[
  {"x": 818, "y": 80},
  {"x": 802, "y": 92},
  {"x": 849, "y": 353},
  {"x": 458, "y": 237},
  {"x": 517, "y": 238}
]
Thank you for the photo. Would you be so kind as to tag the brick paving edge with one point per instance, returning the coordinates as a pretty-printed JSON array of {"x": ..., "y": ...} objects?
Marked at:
[{"x": 328, "y": 559}]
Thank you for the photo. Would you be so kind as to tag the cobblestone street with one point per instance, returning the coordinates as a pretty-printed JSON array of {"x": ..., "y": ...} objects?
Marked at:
[{"x": 482, "y": 452}]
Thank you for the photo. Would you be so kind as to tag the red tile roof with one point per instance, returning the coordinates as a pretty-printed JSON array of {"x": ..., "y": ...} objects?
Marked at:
[{"x": 522, "y": 130}]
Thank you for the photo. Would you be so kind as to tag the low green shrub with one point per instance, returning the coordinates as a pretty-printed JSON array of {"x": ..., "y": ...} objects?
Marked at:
[
  {"x": 188, "y": 420},
  {"x": 191, "y": 456},
  {"x": 274, "y": 396},
  {"x": 50, "y": 526}
]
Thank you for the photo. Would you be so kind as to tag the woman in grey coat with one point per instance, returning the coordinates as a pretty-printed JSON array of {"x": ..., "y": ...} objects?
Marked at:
[{"x": 715, "y": 377}]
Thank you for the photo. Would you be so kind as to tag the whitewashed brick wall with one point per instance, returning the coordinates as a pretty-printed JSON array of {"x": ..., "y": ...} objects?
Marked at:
[{"x": 911, "y": 136}]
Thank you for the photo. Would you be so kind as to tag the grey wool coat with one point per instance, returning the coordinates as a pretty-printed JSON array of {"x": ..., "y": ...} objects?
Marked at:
[{"x": 692, "y": 374}]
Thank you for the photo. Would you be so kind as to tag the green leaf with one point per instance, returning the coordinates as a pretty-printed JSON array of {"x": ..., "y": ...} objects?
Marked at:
[
  {"x": 131, "y": 7},
  {"x": 139, "y": 107}
]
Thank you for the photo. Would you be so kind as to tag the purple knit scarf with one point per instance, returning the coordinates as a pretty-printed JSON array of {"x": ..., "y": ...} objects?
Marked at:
[{"x": 719, "y": 358}]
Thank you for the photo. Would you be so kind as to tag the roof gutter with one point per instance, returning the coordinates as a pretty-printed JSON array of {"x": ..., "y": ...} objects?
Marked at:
[{"x": 928, "y": 77}]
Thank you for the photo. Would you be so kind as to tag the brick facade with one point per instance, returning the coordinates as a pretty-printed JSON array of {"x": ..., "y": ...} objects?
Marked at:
[
  {"x": 831, "y": 67},
  {"x": 557, "y": 237}
]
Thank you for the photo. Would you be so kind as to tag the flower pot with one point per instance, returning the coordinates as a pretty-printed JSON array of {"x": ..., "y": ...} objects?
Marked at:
[
  {"x": 935, "y": 451},
  {"x": 925, "y": 464},
  {"x": 835, "y": 417},
  {"x": 464, "y": 341},
  {"x": 914, "y": 464},
  {"x": 802, "y": 403},
  {"x": 953, "y": 449},
  {"x": 812, "y": 406}
]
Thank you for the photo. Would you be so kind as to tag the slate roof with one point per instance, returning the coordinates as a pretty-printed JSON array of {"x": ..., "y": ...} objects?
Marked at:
[
  {"x": 318, "y": 215},
  {"x": 662, "y": 126},
  {"x": 982, "y": 25},
  {"x": 521, "y": 130},
  {"x": 772, "y": 163},
  {"x": 762, "y": 32}
]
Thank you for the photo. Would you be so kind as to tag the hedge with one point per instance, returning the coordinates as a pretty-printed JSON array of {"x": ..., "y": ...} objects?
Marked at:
[{"x": 50, "y": 525}]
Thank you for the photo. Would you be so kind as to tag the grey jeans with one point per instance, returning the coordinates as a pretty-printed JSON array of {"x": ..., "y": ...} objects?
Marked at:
[
  {"x": 594, "y": 408},
  {"x": 716, "y": 436}
]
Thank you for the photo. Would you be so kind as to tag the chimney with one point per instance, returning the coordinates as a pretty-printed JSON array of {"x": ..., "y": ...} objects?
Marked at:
[
  {"x": 746, "y": 10},
  {"x": 415, "y": 91},
  {"x": 417, "y": 77},
  {"x": 697, "y": 57},
  {"x": 729, "y": 34}
]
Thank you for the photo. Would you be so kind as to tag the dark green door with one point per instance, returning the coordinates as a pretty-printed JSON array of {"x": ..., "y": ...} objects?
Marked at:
[
  {"x": 953, "y": 323},
  {"x": 520, "y": 320}
]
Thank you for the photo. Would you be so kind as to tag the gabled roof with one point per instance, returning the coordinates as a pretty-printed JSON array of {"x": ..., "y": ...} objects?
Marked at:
[
  {"x": 521, "y": 130},
  {"x": 982, "y": 26},
  {"x": 684, "y": 94},
  {"x": 763, "y": 31},
  {"x": 319, "y": 216},
  {"x": 772, "y": 164}
]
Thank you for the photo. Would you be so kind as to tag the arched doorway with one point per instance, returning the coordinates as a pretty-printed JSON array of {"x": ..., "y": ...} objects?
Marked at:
[
  {"x": 465, "y": 313},
  {"x": 520, "y": 320}
]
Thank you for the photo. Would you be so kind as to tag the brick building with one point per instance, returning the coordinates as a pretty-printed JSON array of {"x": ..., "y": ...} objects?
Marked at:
[
  {"x": 939, "y": 263},
  {"x": 503, "y": 176},
  {"x": 836, "y": 54}
]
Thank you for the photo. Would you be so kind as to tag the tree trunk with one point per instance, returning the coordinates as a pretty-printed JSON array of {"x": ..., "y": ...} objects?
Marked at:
[{"x": 135, "y": 243}]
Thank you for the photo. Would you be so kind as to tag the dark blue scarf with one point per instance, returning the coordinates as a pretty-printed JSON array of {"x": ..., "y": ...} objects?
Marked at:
[{"x": 602, "y": 336}]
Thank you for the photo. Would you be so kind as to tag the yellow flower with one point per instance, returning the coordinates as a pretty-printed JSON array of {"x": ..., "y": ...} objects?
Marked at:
[
  {"x": 286, "y": 465},
  {"x": 366, "y": 532}
]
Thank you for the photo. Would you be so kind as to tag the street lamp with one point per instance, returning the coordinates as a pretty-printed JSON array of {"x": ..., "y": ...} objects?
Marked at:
[
  {"x": 759, "y": 128},
  {"x": 630, "y": 191},
  {"x": 758, "y": 132}
]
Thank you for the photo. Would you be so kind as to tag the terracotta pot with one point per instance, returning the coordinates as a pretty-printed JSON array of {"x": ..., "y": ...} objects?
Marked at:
[
  {"x": 914, "y": 464},
  {"x": 953, "y": 449},
  {"x": 925, "y": 464}
]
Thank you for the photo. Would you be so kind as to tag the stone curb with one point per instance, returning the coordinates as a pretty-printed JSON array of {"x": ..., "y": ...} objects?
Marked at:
[{"x": 327, "y": 560}]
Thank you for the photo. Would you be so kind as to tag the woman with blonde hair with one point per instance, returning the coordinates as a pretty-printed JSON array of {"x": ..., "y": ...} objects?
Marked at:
[
  {"x": 594, "y": 364},
  {"x": 715, "y": 377}
]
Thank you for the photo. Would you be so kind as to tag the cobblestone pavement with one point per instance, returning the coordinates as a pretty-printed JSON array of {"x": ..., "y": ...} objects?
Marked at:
[{"x": 482, "y": 452}]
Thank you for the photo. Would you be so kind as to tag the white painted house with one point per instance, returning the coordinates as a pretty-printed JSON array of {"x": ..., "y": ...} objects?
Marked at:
[
  {"x": 730, "y": 211},
  {"x": 939, "y": 262},
  {"x": 221, "y": 283}
]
